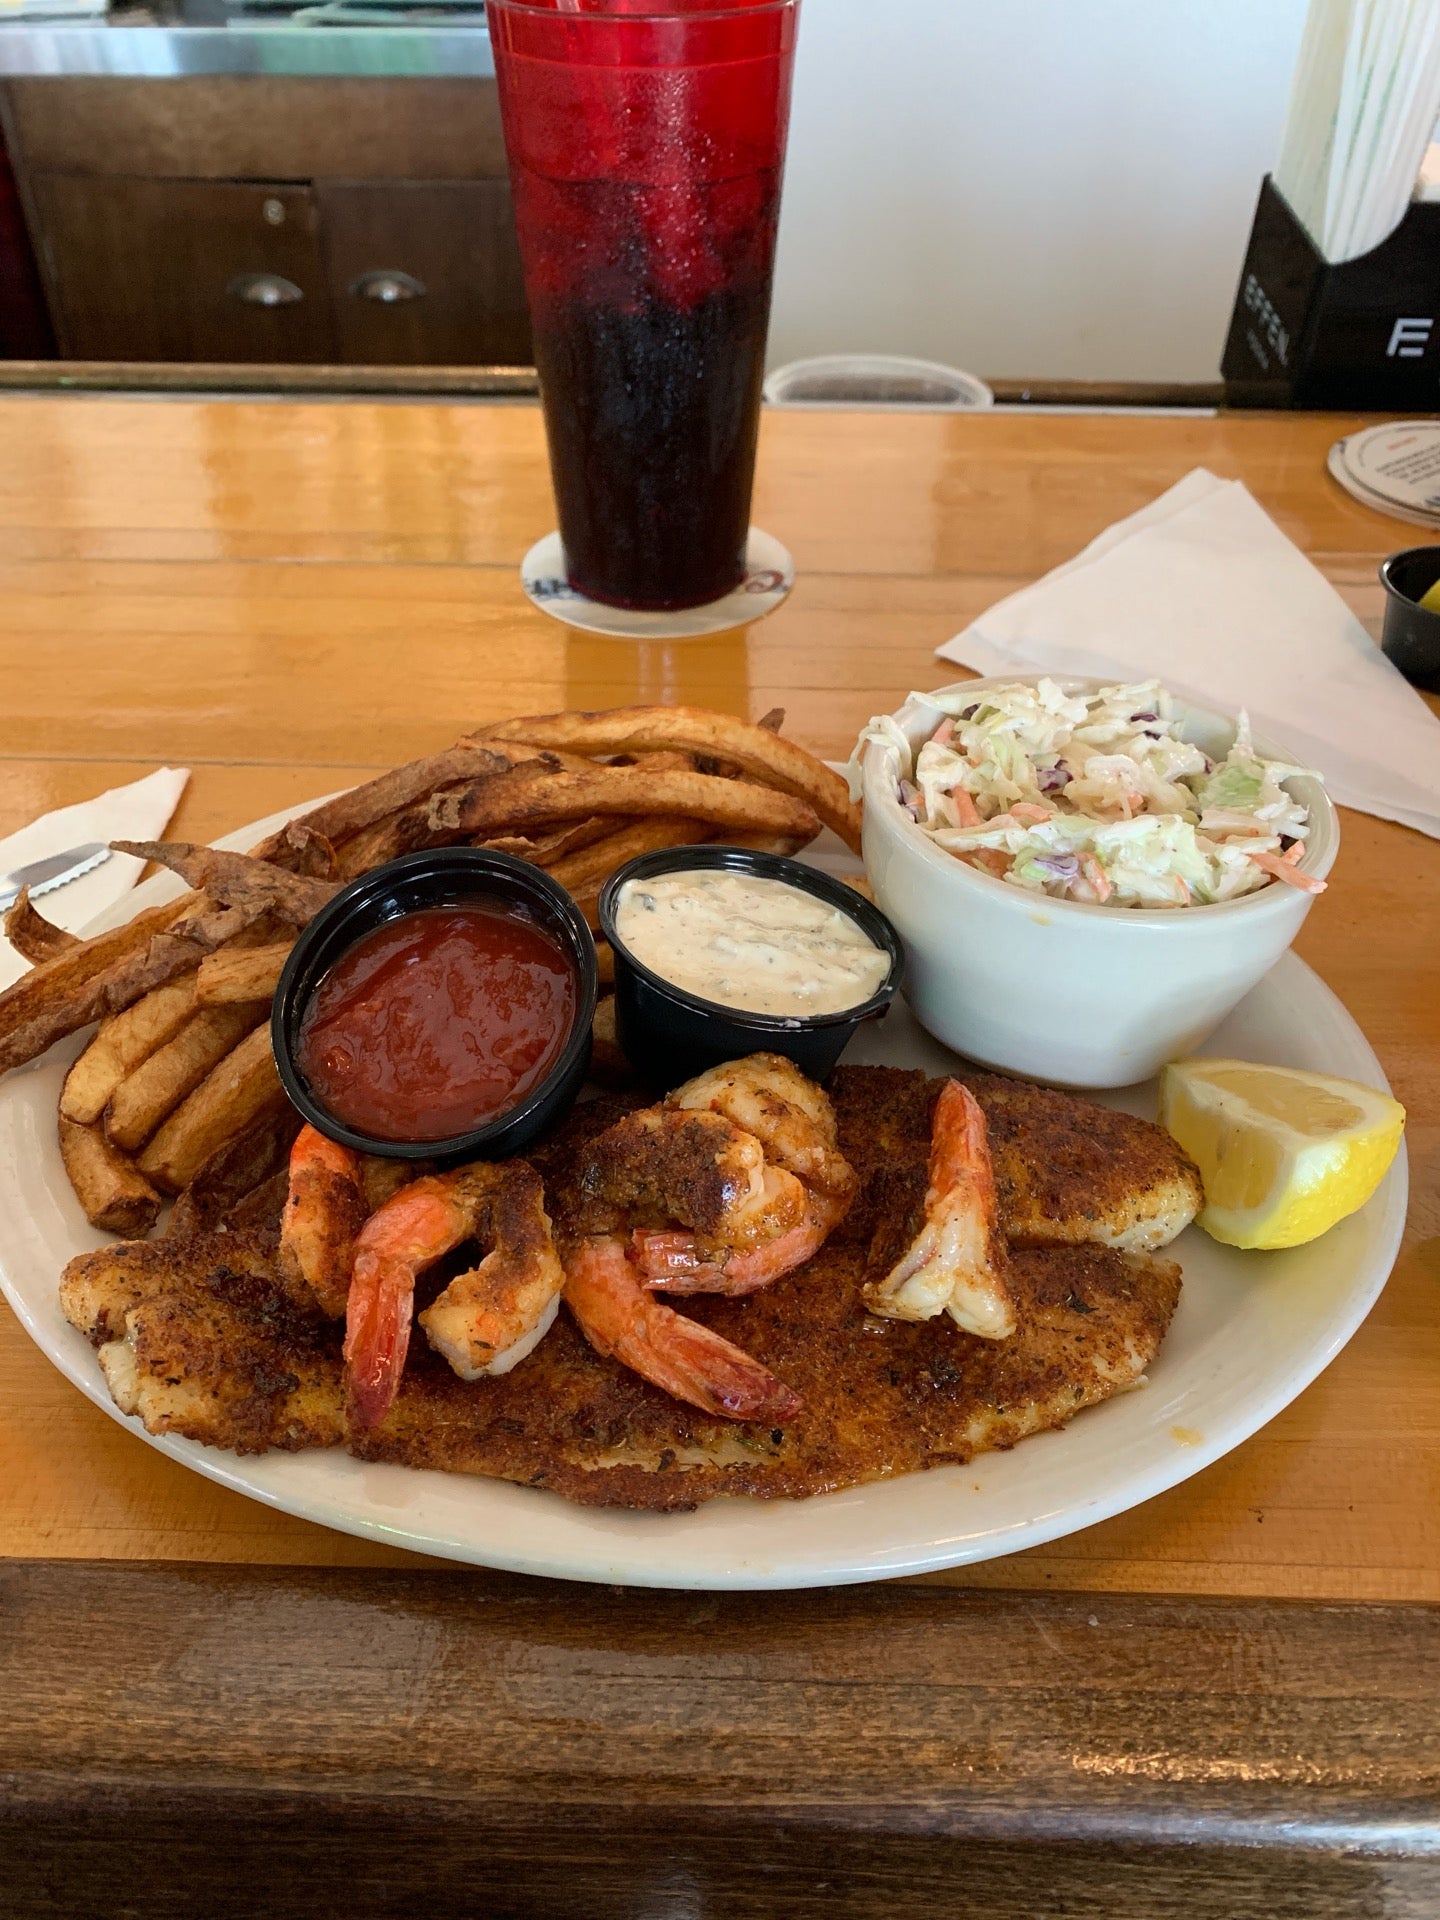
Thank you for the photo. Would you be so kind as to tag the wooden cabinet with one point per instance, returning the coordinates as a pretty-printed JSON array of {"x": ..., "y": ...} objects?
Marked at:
[
  {"x": 268, "y": 219},
  {"x": 185, "y": 269},
  {"x": 424, "y": 273}
]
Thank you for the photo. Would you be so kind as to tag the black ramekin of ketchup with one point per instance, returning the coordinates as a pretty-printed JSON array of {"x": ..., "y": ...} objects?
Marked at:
[{"x": 439, "y": 1008}]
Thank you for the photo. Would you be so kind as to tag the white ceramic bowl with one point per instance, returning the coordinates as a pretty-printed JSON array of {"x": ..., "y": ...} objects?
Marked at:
[{"x": 1083, "y": 996}]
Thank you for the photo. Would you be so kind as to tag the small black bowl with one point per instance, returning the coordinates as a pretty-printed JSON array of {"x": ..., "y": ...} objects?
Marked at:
[
  {"x": 447, "y": 877},
  {"x": 1411, "y": 633},
  {"x": 669, "y": 1035}
]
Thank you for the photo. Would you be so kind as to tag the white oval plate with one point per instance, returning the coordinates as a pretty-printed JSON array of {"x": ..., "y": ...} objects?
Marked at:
[{"x": 1251, "y": 1332}]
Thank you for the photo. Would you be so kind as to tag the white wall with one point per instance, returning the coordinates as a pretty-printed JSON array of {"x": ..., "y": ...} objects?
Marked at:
[{"x": 1055, "y": 188}]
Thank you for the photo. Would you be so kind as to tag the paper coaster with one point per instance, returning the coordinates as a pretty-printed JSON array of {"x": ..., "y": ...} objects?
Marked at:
[
  {"x": 1394, "y": 468},
  {"x": 1369, "y": 498},
  {"x": 769, "y": 576}
]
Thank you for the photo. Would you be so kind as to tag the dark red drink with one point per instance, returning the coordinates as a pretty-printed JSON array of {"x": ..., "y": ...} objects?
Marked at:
[{"x": 646, "y": 142}]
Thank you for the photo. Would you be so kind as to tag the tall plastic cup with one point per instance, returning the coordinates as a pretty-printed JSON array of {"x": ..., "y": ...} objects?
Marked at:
[{"x": 647, "y": 141}]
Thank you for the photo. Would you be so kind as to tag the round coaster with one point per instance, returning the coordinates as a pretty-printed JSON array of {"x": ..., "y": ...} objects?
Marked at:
[
  {"x": 769, "y": 576},
  {"x": 1368, "y": 496},
  {"x": 1399, "y": 463}
]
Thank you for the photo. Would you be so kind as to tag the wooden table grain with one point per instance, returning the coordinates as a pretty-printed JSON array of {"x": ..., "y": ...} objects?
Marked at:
[{"x": 284, "y": 596}]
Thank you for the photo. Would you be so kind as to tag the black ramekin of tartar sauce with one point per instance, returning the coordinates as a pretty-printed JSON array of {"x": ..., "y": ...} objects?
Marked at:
[{"x": 669, "y": 1034}]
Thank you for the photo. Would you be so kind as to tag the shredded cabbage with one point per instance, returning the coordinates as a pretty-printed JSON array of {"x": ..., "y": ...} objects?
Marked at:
[{"x": 1093, "y": 797}]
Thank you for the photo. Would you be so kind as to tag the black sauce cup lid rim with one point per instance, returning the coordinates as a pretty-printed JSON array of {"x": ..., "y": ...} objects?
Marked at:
[
  {"x": 517, "y": 878},
  {"x": 768, "y": 866}
]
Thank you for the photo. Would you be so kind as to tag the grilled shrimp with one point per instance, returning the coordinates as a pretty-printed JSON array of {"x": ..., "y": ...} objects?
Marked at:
[
  {"x": 487, "y": 1319},
  {"x": 805, "y": 1187},
  {"x": 957, "y": 1262},
  {"x": 324, "y": 1212},
  {"x": 619, "y": 1316}
]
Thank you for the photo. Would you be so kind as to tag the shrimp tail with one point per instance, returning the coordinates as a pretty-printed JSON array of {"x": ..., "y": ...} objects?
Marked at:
[
  {"x": 672, "y": 1263},
  {"x": 690, "y": 1362},
  {"x": 377, "y": 1337}
]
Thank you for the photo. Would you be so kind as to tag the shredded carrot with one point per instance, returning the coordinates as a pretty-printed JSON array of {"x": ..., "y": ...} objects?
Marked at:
[
  {"x": 966, "y": 811},
  {"x": 1279, "y": 865},
  {"x": 1096, "y": 875},
  {"x": 1028, "y": 811},
  {"x": 991, "y": 860},
  {"x": 943, "y": 732}
]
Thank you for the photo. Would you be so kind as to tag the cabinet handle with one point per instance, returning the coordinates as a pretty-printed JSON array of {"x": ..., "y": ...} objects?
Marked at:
[
  {"x": 389, "y": 286},
  {"x": 264, "y": 290}
]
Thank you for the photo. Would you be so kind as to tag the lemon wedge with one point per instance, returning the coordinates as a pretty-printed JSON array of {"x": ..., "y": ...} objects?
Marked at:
[{"x": 1283, "y": 1154}]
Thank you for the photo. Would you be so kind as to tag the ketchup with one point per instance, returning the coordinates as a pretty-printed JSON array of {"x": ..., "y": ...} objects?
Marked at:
[{"x": 437, "y": 1023}]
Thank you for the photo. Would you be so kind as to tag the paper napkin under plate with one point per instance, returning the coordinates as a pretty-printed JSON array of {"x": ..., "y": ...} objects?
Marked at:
[
  {"x": 137, "y": 812},
  {"x": 1202, "y": 591}
]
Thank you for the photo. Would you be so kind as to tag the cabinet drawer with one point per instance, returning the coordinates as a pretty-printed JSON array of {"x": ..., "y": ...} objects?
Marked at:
[
  {"x": 149, "y": 269},
  {"x": 424, "y": 273}
]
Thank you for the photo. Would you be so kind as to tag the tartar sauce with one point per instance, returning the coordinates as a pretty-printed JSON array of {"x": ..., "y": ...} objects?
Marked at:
[{"x": 744, "y": 941}]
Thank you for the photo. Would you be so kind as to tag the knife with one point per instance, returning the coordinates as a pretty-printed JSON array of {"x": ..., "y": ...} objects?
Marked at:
[{"x": 43, "y": 876}]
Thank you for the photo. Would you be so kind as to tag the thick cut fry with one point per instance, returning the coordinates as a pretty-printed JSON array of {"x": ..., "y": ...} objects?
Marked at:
[
  {"x": 541, "y": 849},
  {"x": 238, "y": 880},
  {"x": 758, "y": 752},
  {"x": 408, "y": 831},
  {"x": 33, "y": 937},
  {"x": 608, "y": 1064},
  {"x": 579, "y": 872},
  {"x": 112, "y": 1191},
  {"x": 262, "y": 1206},
  {"x": 224, "y": 1104},
  {"x": 362, "y": 806},
  {"x": 604, "y": 963},
  {"x": 123, "y": 1043},
  {"x": 785, "y": 843},
  {"x": 411, "y": 829},
  {"x": 96, "y": 977},
  {"x": 159, "y": 1084},
  {"x": 235, "y": 1170},
  {"x": 519, "y": 801},
  {"x": 300, "y": 849},
  {"x": 238, "y": 974}
]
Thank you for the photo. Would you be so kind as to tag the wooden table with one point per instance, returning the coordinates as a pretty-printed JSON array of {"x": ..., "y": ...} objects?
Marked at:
[{"x": 286, "y": 596}]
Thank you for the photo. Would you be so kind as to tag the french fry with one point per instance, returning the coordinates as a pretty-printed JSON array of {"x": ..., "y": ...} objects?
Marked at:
[
  {"x": 758, "y": 752},
  {"x": 96, "y": 977},
  {"x": 350, "y": 813},
  {"x": 159, "y": 1084},
  {"x": 608, "y": 1064},
  {"x": 519, "y": 801},
  {"x": 112, "y": 1191},
  {"x": 542, "y": 848},
  {"x": 238, "y": 880},
  {"x": 578, "y": 872},
  {"x": 785, "y": 843},
  {"x": 33, "y": 937},
  {"x": 224, "y": 1104},
  {"x": 262, "y": 1206},
  {"x": 605, "y": 963},
  {"x": 235, "y": 1170},
  {"x": 412, "y": 827},
  {"x": 238, "y": 974},
  {"x": 123, "y": 1043},
  {"x": 300, "y": 849}
]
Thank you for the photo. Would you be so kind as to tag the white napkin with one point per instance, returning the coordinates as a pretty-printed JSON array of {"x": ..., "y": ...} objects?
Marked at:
[
  {"x": 1202, "y": 591},
  {"x": 137, "y": 812}
]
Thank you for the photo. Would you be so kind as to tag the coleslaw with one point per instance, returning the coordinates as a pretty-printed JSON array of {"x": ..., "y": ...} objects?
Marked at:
[{"x": 1095, "y": 797}]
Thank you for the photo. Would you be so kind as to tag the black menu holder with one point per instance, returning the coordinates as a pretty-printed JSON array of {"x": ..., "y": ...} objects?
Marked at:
[{"x": 1364, "y": 334}]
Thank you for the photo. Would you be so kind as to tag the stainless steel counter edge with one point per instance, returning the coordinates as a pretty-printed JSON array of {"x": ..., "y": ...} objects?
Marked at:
[{"x": 62, "y": 49}]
